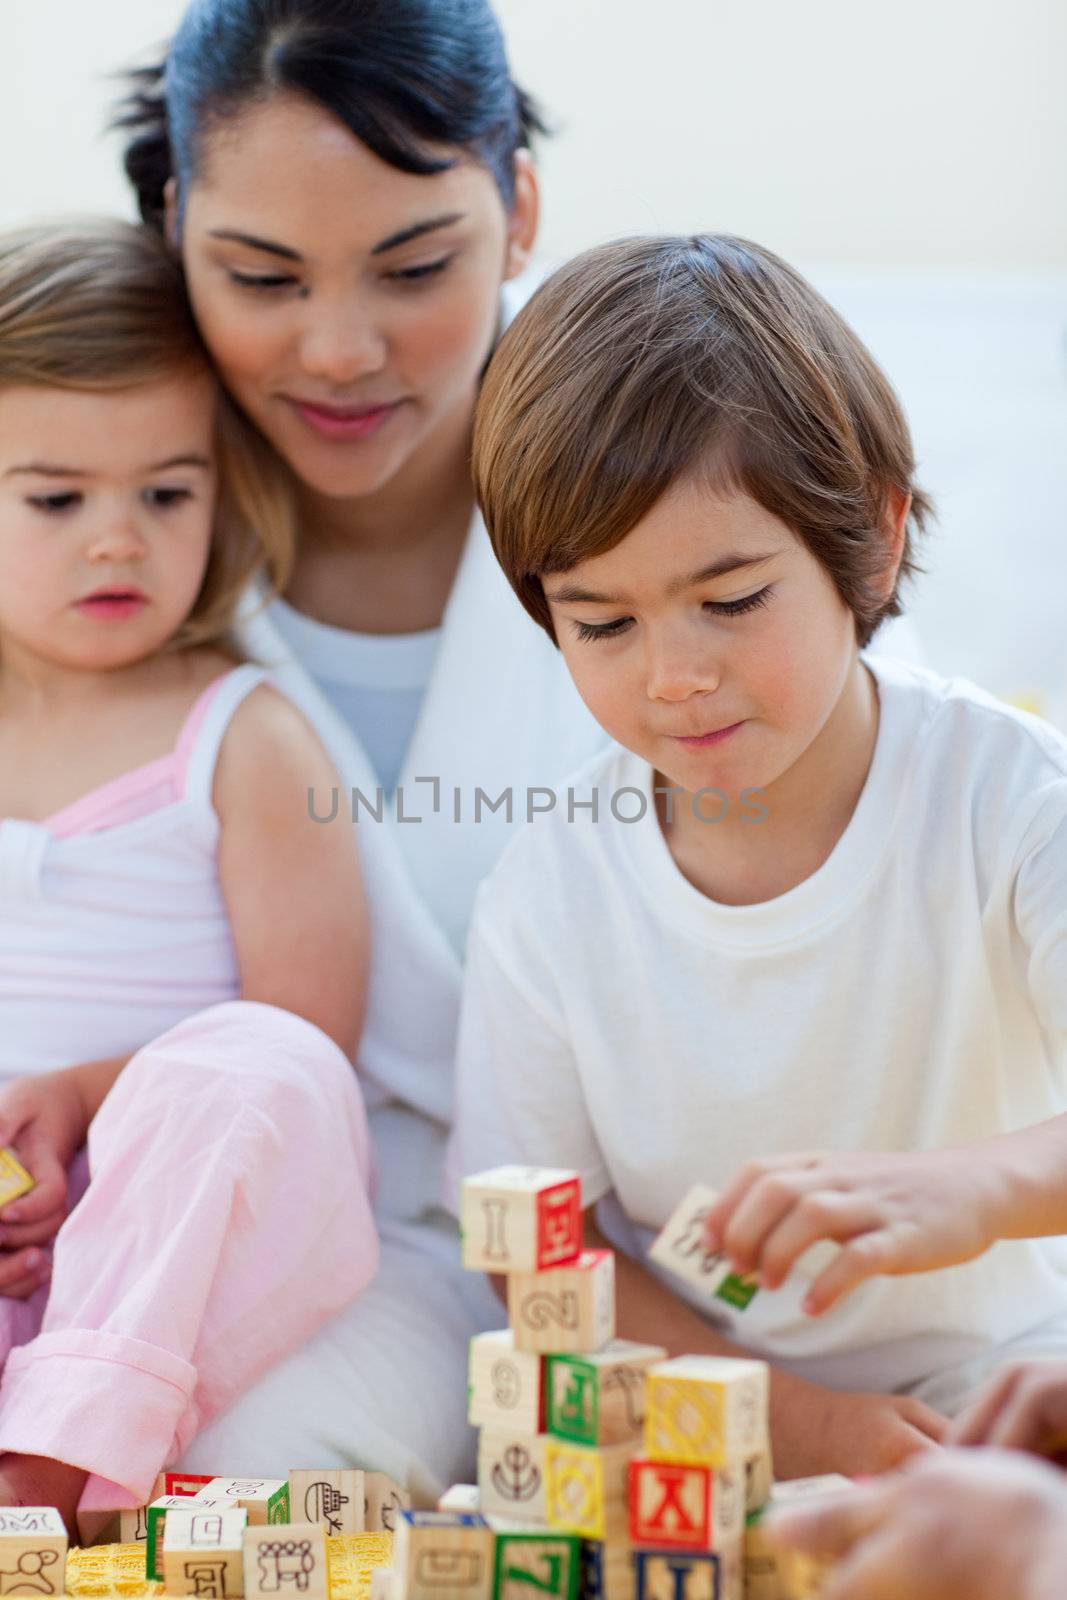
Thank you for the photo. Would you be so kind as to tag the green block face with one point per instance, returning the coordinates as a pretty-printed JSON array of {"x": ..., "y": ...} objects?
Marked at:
[
  {"x": 278, "y": 1506},
  {"x": 528, "y": 1565},
  {"x": 572, "y": 1399},
  {"x": 153, "y": 1548},
  {"x": 739, "y": 1292}
]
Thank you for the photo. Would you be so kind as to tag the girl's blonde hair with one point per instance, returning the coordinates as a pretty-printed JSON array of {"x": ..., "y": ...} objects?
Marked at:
[{"x": 98, "y": 305}]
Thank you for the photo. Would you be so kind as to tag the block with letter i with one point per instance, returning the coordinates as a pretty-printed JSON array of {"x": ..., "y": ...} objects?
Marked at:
[
  {"x": 678, "y": 1575},
  {"x": 443, "y": 1555},
  {"x": 521, "y": 1219},
  {"x": 281, "y": 1557},
  {"x": 203, "y": 1551},
  {"x": 33, "y": 1550},
  {"x": 706, "y": 1410},
  {"x": 565, "y": 1310},
  {"x": 599, "y": 1398}
]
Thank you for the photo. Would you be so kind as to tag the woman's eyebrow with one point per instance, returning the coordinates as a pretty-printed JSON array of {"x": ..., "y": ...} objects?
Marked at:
[
  {"x": 234, "y": 236},
  {"x": 416, "y": 231}
]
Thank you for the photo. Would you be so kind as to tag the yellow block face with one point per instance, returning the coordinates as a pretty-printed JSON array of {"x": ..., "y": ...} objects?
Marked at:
[
  {"x": 14, "y": 1179},
  {"x": 574, "y": 1490},
  {"x": 684, "y": 1422}
]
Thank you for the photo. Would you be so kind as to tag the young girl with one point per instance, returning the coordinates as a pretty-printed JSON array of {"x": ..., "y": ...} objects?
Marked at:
[
  {"x": 819, "y": 904},
  {"x": 182, "y": 950}
]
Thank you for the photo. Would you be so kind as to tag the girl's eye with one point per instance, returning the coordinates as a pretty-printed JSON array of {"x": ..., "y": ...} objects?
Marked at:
[
  {"x": 246, "y": 281},
  {"x": 165, "y": 499},
  {"x": 604, "y": 630},
  {"x": 737, "y": 608},
  {"x": 415, "y": 274},
  {"x": 54, "y": 503}
]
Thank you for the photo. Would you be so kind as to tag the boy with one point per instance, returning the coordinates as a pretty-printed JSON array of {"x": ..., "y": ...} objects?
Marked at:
[{"x": 816, "y": 900}]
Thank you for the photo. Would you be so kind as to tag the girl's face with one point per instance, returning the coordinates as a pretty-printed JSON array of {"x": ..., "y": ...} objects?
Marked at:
[
  {"x": 349, "y": 307},
  {"x": 107, "y": 503}
]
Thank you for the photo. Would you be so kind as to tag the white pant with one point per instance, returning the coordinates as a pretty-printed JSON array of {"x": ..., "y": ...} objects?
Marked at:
[{"x": 382, "y": 1385}]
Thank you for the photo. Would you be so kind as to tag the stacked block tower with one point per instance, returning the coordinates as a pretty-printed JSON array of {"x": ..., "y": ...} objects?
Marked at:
[{"x": 605, "y": 1471}]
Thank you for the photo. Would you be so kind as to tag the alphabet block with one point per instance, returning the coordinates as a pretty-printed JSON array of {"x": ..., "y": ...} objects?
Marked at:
[
  {"x": 706, "y": 1410},
  {"x": 536, "y": 1563},
  {"x": 113, "y": 1527},
  {"x": 511, "y": 1475},
  {"x": 333, "y": 1497},
  {"x": 202, "y": 1551},
  {"x": 265, "y": 1499},
  {"x": 759, "y": 1479},
  {"x": 521, "y": 1219},
  {"x": 686, "y": 1575},
  {"x": 285, "y": 1559},
  {"x": 462, "y": 1497},
  {"x": 607, "y": 1570},
  {"x": 566, "y": 1309},
  {"x": 599, "y": 1399},
  {"x": 442, "y": 1555},
  {"x": 384, "y": 1584},
  {"x": 674, "y": 1506},
  {"x": 14, "y": 1179},
  {"x": 185, "y": 1484},
  {"x": 155, "y": 1522},
  {"x": 772, "y": 1573},
  {"x": 505, "y": 1385},
  {"x": 383, "y": 1502},
  {"x": 586, "y": 1489},
  {"x": 680, "y": 1249},
  {"x": 33, "y": 1550}
]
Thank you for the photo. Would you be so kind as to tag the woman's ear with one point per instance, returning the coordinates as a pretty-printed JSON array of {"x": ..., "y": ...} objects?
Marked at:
[
  {"x": 523, "y": 216},
  {"x": 170, "y": 214}
]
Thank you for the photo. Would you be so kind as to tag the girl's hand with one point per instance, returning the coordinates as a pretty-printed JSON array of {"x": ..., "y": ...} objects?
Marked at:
[
  {"x": 816, "y": 1430},
  {"x": 44, "y": 1120},
  {"x": 974, "y": 1526},
  {"x": 891, "y": 1213},
  {"x": 1024, "y": 1408}
]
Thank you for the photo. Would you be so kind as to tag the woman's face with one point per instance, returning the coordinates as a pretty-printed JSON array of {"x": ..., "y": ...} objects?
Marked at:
[{"x": 349, "y": 306}]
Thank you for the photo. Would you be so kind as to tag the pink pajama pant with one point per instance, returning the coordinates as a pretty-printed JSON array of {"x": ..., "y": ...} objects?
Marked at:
[{"x": 227, "y": 1216}]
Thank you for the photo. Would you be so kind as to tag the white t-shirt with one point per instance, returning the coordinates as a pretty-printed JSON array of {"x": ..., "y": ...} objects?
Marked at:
[
  {"x": 910, "y": 994},
  {"x": 375, "y": 681}
]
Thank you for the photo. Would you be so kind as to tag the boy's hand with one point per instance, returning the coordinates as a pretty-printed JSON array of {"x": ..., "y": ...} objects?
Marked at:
[
  {"x": 980, "y": 1526},
  {"x": 891, "y": 1214},
  {"x": 1023, "y": 1408},
  {"x": 43, "y": 1120},
  {"x": 816, "y": 1430}
]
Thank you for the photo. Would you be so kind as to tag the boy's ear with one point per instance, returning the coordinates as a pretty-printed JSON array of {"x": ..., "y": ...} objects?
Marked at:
[
  {"x": 895, "y": 527},
  {"x": 523, "y": 216},
  {"x": 170, "y": 214}
]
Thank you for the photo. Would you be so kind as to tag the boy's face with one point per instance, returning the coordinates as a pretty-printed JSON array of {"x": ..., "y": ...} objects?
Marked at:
[{"x": 719, "y": 681}]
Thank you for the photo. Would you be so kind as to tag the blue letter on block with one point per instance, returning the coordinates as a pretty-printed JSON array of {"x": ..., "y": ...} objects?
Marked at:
[{"x": 676, "y": 1575}]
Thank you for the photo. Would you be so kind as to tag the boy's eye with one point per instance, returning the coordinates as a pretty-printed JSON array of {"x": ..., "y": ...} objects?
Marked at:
[
  {"x": 164, "y": 499},
  {"x": 415, "y": 274},
  {"x": 53, "y": 503},
  {"x": 737, "y": 608},
  {"x": 603, "y": 630}
]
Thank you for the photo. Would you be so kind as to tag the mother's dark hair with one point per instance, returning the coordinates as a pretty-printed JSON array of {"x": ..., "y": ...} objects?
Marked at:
[{"x": 402, "y": 75}]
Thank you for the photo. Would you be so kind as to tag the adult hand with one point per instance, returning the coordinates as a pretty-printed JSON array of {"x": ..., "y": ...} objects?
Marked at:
[
  {"x": 1023, "y": 1408},
  {"x": 890, "y": 1213},
  {"x": 974, "y": 1525},
  {"x": 43, "y": 1120},
  {"x": 816, "y": 1430}
]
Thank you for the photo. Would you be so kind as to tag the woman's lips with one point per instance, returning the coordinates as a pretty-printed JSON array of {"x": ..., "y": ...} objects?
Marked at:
[
  {"x": 341, "y": 423},
  {"x": 701, "y": 739}
]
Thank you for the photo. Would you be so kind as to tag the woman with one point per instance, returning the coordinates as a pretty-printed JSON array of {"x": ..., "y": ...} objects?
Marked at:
[{"x": 350, "y": 187}]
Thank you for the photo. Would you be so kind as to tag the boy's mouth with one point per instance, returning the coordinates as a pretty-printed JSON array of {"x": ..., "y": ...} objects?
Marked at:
[{"x": 714, "y": 737}]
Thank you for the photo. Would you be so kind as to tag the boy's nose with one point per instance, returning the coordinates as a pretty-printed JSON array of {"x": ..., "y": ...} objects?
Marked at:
[{"x": 676, "y": 671}]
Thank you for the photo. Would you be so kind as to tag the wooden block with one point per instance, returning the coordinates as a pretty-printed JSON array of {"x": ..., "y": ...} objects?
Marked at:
[
  {"x": 521, "y": 1219},
  {"x": 155, "y": 1523},
  {"x": 463, "y": 1497},
  {"x": 113, "y": 1527},
  {"x": 289, "y": 1559},
  {"x": 511, "y": 1474},
  {"x": 333, "y": 1497},
  {"x": 586, "y": 1489},
  {"x": 536, "y": 1562},
  {"x": 688, "y": 1575},
  {"x": 600, "y": 1398},
  {"x": 607, "y": 1570},
  {"x": 706, "y": 1410},
  {"x": 505, "y": 1386},
  {"x": 443, "y": 1555},
  {"x": 680, "y": 1249},
  {"x": 33, "y": 1550},
  {"x": 772, "y": 1573},
  {"x": 185, "y": 1484},
  {"x": 202, "y": 1551},
  {"x": 14, "y": 1181},
  {"x": 265, "y": 1499},
  {"x": 384, "y": 1584},
  {"x": 566, "y": 1309},
  {"x": 676, "y": 1506},
  {"x": 383, "y": 1500},
  {"x": 759, "y": 1479}
]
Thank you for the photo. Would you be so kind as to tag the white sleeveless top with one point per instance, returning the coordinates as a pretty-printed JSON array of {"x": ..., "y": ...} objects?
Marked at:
[{"x": 112, "y": 922}]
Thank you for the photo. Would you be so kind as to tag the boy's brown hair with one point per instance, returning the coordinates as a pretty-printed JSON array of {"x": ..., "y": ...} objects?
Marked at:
[
  {"x": 98, "y": 305},
  {"x": 647, "y": 359}
]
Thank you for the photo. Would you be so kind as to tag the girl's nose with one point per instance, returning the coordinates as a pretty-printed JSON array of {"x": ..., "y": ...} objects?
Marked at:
[{"x": 117, "y": 539}]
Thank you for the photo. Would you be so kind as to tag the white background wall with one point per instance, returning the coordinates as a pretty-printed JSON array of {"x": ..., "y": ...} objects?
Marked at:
[{"x": 912, "y": 156}]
